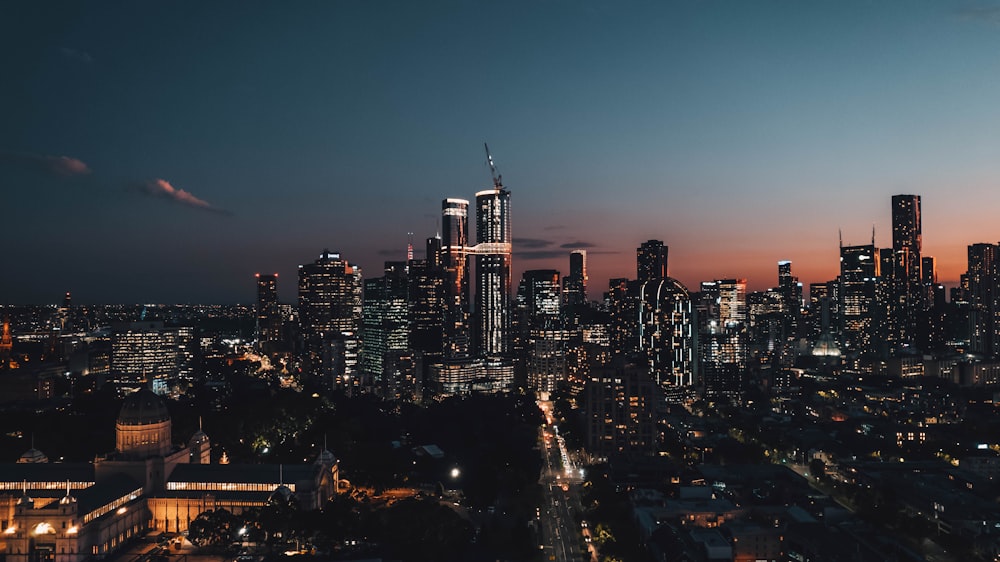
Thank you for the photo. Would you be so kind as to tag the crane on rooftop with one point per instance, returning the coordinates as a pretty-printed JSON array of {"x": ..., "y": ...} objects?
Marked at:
[{"x": 497, "y": 183}]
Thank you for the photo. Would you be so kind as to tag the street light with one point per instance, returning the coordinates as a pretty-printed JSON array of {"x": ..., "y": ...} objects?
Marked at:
[{"x": 455, "y": 472}]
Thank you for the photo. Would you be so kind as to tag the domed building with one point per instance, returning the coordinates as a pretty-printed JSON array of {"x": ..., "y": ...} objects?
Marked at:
[
  {"x": 32, "y": 456},
  {"x": 143, "y": 426},
  {"x": 71, "y": 512}
]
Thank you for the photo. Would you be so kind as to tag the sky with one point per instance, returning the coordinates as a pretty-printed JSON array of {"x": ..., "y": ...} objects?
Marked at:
[{"x": 166, "y": 151}]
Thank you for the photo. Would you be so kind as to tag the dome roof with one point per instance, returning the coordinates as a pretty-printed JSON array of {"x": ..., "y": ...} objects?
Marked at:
[
  {"x": 33, "y": 455},
  {"x": 143, "y": 408},
  {"x": 281, "y": 495},
  {"x": 326, "y": 457},
  {"x": 826, "y": 346},
  {"x": 198, "y": 438}
]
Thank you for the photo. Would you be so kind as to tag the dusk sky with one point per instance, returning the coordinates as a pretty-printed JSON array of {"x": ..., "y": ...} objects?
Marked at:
[{"x": 165, "y": 151}]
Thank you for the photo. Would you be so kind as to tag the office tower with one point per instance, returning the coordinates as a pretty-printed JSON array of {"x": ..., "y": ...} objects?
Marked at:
[
  {"x": 268, "y": 312},
  {"x": 493, "y": 272},
  {"x": 859, "y": 303},
  {"x": 722, "y": 335},
  {"x": 651, "y": 261},
  {"x": 330, "y": 299},
  {"x": 619, "y": 405},
  {"x": 667, "y": 332},
  {"x": 791, "y": 294},
  {"x": 623, "y": 308},
  {"x": 766, "y": 327},
  {"x": 983, "y": 297},
  {"x": 575, "y": 284},
  {"x": 904, "y": 284},
  {"x": 455, "y": 239},
  {"x": 427, "y": 301},
  {"x": 822, "y": 312},
  {"x": 384, "y": 321},
  {"x": 151, "y": 353},
  {"x": 540, "y": 329}
]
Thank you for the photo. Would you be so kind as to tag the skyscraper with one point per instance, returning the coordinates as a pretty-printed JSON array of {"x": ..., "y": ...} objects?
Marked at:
[
  {"x": 984, "y": 298},
  {"x": 722, "y": 335},
  {"x": 904, "y": 284},
  {"x": 150, "y": 353},
  {"x": 651, "y": 261},
  {"x": 859, "y": 279},
  {"x": 493, "y": 272},
  {"x": 385, "y": 320},
  {"x": 540, "y": 330},
  {"x": 575, "y": 284},
  {"x": 330, "y": 298},
  {"x": 427, "y": 302},
  {"x": 268, "y": 312},
  {"x": 454, "y": 243},
  {"x": 667, "y": 332}
]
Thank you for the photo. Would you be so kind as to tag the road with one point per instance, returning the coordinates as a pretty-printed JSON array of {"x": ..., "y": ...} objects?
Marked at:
[{"x": 561, "y": 480}]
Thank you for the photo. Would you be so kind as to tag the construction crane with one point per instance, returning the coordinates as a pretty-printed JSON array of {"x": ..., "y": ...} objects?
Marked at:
[{"x": 497, "y": 183}]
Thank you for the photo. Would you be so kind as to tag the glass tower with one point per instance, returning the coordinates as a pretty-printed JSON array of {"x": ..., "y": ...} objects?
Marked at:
[{"x": 493, "y": 272}]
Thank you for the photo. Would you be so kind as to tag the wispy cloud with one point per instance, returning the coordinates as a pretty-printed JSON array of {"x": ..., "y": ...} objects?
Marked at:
[
  {"x": 76, "y": 55},
  {"x": 64, "y": 166},
  {"x": 540, "y": 254},
  {"x": 577, "y": 245},
  {"x": 555, "y": 227},
  {"x": 531, "y": 242},
  {"x": 986, "y": 14},
  {"x": 162, "y": 189}
]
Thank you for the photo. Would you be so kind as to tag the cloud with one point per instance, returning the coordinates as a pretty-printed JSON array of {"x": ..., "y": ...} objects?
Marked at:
[
  {"x": 555, "y": 227},
  {"x": 531, "y": 242},
  {"x": 63, "y": 166},
  {"x": 540, "y": 254},
  {"x": 77, "y": 55},
  {"x": 162, "y": 189},
  {"x": 986, "y": 14},
  {"x": 577, "y": 245}
]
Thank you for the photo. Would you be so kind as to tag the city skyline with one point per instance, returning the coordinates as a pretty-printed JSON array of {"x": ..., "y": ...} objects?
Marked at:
[{"x": 158, "y": 155}]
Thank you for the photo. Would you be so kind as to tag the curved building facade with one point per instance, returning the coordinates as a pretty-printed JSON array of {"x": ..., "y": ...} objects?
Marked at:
[{"x": 667, "y": 332}]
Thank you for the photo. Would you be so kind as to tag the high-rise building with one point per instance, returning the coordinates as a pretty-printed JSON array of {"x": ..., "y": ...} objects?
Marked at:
[
  {"x": 269, "y": 321},
  {"x": 541, "y": 330},
  {"x": 651, "y": 261},
  {"x": 905, "y": 292},
  {"x": 493, "y": 272},
  {"x": 859, "y": 303},
  {"x": 667, "y": 332},
  {"x": 330, "y": 300},
  {"x": 151, "y": 353},
  {"x": 427, "y": 301},
  {"x": 623, "y": 307},
  {"x": 823, "y": 309},
  {"x": 722, "y": 335},
  {"x": 619, "y": 404},
  {"x": 791, "y": 293},
  {"x": 454, "y": 247},
  {"x": 385, "y": 320},
  {"x": 575, "y": 284},
  {"x": 984, "y": 298}
]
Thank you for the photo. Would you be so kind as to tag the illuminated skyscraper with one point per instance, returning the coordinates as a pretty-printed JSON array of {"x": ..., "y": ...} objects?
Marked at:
[
  {"x": 984, "y": 298},
  {"x": 722, "y": 337},
  {"x": 667, "y": 332},
  {"x": 426, "y": 300},
  {"x": 904, "y": 283},
  {"x": 385, "y": 320},
  {"x": 859, "y": 312},
  {"x": 454, "y": 242},
  {"x": 493, "y": 272},
  {"x": 651, "y": 260},
  {"x": 268, "y": 312},
  {"x": 150, "y": 353},
  {"x": 330, "y": 298},
  {"x": 575, "y": 284},
  {"x": 540, "y": 329}
]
